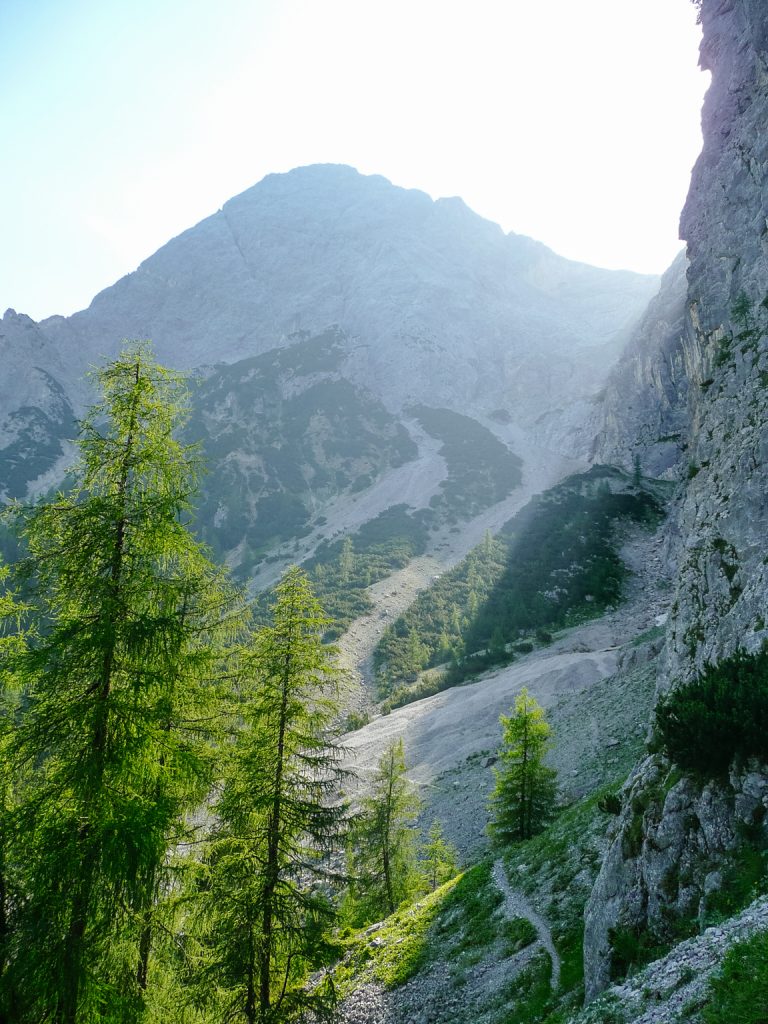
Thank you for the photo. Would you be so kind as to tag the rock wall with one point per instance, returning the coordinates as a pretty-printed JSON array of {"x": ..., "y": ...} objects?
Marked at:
[
  {"x": 644, "y": 408},
  {"x": 664, "y": 858}
]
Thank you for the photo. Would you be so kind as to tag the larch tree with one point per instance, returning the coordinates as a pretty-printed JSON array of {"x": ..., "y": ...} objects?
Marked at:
[
  {"x": 383, "y": 853},
  {"x": 266, "y": 909},
  {"x": 13, "y": 640},
  {"x": 438, "y": 858},
  {"x": 523, "y": 799},
  {"x": 120, "y": 693}
]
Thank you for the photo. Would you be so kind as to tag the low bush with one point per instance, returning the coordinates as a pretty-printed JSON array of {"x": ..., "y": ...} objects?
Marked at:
[{"x": 721, "y": 716}]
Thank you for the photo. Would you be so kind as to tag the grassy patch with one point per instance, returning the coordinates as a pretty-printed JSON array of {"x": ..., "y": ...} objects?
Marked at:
[
  {"x": 739, "y": 993},
  {"x": 467, "y": 926},
  {"x": 654, "y": 633},
  {"x": 745, "y": 877},
  {"x": 530, "y": 996},
  {"x": 398, "y": 949},
  {"x": 556, "y": 870},
  {"x": 518, "y": 933}
]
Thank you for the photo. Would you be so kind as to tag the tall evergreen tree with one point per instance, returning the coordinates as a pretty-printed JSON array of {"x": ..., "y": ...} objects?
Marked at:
[
  {"x": 383, "y": 857},
  {"x": 120, "y": 694},
  {"x": 13, "y": 641},
  {"x": 278, "y": 819},
  {"x": 523, "y": 799}
]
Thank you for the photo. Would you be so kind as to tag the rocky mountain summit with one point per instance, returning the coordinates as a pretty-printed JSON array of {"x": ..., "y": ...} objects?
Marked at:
[{"x": 432, "y": 305}]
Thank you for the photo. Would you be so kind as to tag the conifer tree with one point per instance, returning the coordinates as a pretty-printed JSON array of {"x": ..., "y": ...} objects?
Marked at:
[
  {"x": 278, "y": 818},
  {"x": 120, "y": 694},
  {"x": 13, "y": 640},
  {"x": 438, "y": 858},
  {"x": 383, "y": 855},
  {"x": 523, "y": 799}
]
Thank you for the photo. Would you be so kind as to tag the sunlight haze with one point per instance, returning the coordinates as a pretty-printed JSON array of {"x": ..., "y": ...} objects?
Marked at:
[{"x": 124, "y": 124}]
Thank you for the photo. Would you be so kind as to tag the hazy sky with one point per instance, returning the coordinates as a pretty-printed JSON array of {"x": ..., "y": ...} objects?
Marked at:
[{"x": 123, "y": 122}]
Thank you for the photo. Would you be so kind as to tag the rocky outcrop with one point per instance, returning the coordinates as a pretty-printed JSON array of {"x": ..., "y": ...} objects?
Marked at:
[
  {"x": 36, "y": 412},
  {"x": 675, "y": 988},
  {"x": 673, "y": 843},
  {"x": 644, "y": 408},
  {"x": 669, "y": 845}
]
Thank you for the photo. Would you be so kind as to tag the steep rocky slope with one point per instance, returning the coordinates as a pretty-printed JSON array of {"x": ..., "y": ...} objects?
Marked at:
[
  {"x": 644, "y": 407},
  {"x": 675, "y": 834}
]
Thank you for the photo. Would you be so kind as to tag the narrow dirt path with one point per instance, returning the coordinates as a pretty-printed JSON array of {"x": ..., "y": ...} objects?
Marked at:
[{"x": 516, "y": 905}]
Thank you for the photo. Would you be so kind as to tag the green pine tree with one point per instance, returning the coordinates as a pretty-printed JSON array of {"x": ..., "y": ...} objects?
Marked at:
[
  {"x": 278, "y": 818},
  {"x": 523, "y": 799},
  {"x": 120, "y": 695},
  {"x": 14, "y": 638},
  {"x": 438, "y": 858},
  {"x": 383, "y": 854}
]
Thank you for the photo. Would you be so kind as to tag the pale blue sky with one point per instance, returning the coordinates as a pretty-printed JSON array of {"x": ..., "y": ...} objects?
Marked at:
[{"x": 123, "y": 122}]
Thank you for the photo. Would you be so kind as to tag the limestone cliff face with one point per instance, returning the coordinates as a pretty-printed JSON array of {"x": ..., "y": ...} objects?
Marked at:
[
  {"x": 644, "y": 408},
  {"x": 723, "y": 579},
  {"x": 671, "y": 838}
]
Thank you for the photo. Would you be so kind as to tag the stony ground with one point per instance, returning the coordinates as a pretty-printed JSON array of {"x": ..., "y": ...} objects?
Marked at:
[
  {"x": 597, "y": 683},
  {"x": 672, "y": 990},
  {"x": 393, "y": 595},
  {"x": 434, "y": 997},
  {"x": 595, "y": 680}
]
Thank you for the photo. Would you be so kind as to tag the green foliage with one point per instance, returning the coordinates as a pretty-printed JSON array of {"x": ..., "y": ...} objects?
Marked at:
[
  {"x": 342, "y": 571},
  {"x": 466, "y": 926},
  {"x": 119, "y": 700},
  {"x": 632, "y": 948},
  {"x": 274, "y": 449},
  {"x": 531, "y": 992},
  {"x": 397, "y": 950},
  {"x": 439, "y": 618},
  {"x": 745, "y": 877},
  {"x": 518, "y": 933},
  {"x": 562, "y": 562},
  {"x": 563, "y": 860},
  {"x": 720, "y": 716},
  {"x": 383, "y": 866},
  {"x": 262, "y": 923},
  {"x": 14, "y": 639},
  {"x": 610, "y": 804},
  {"x": 738, "y": 994},
  {"x": 438, "y": 858},
  {"x": 523, "y": 799},
  {"x": 554, "y": 564},
  {"x": 481, "y": 469}
]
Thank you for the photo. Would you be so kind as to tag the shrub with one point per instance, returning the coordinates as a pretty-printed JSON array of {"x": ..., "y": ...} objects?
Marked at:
[
  {"x": 631, "y": 949},
  {"x": 609, "y": 804},
  {"x": 518, "y": 934},
  {"x": 721, "y": 716},
  {"x": 739, "y": 994}
]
